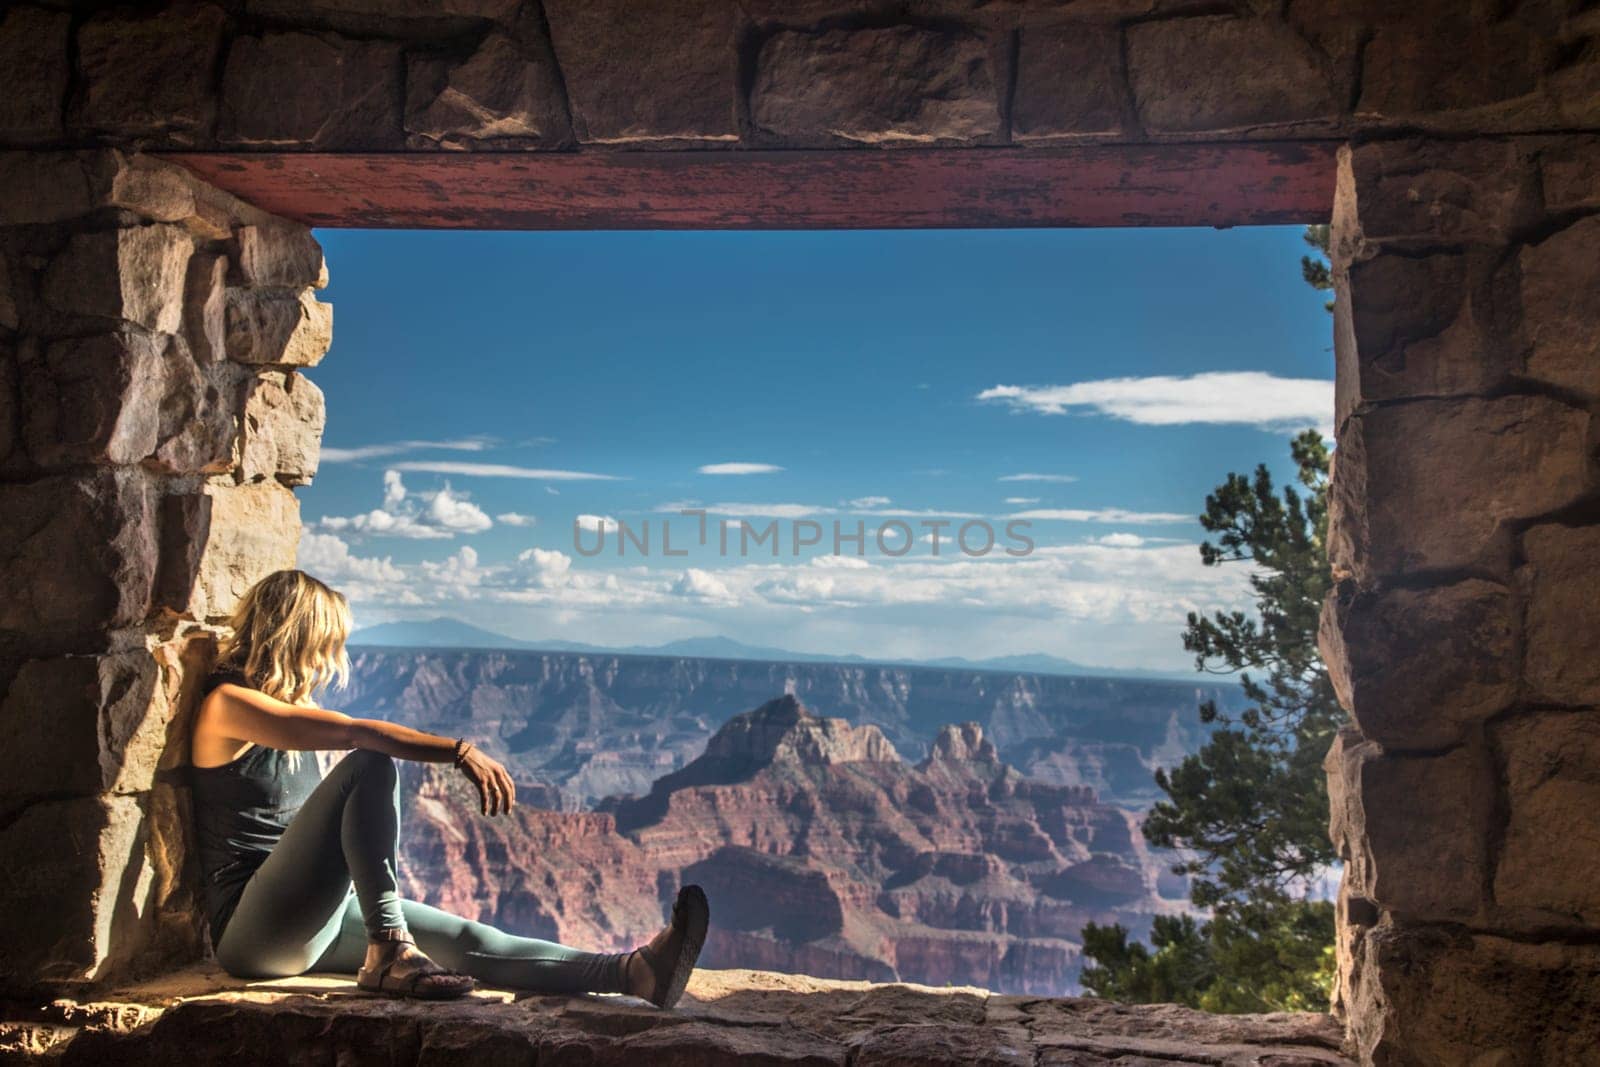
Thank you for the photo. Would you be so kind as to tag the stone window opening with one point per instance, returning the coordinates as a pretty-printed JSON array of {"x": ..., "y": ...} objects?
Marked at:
[{"x": 154, "y": 417}]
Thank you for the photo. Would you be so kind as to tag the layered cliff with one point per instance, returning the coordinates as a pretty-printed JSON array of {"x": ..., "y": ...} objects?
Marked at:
[
  {"x": 823, "y": 851},
  {"x": 595, "y": 725}
]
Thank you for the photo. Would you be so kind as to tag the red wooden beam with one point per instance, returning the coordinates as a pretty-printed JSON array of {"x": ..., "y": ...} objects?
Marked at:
[{"x": 1102, "y": 185}]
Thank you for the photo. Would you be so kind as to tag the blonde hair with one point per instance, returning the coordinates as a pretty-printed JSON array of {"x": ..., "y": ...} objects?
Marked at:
[{"x": 288, "y": 636}]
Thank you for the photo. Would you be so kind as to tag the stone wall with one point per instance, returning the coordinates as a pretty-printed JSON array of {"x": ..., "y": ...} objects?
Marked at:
[
  {"x": 153, "y": 419},
  {"x": 541, "y": 75},
  {"x": 1462, "y": 630}
]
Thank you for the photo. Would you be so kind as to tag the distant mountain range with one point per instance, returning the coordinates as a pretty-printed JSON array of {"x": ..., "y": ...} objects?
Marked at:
[
  {"x": 824, "y": 851},
  {"x": 453, "y": 633}
]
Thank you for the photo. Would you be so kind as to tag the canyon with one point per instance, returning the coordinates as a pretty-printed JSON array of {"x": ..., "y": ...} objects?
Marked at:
[
  {"x": 822, "y": 850},
  {"x": 579, "y": 727}
]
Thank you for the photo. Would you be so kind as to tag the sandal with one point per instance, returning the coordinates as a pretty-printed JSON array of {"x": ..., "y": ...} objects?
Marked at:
[
  {"x": 412, "y": 975},
  {"x": 671, "y": 955}
]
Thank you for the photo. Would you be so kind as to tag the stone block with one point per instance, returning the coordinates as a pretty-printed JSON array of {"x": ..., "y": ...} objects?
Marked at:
[
  {"x": 199, "y": 418},
  {"x": 284, "y": 416},
  {"x": 10, "y": 279},
  {"x": 1561, "y": 587},
  {"x": 1070, "y": 83},
  {"x": 163, "y": 192},
  {"x": 43, "y": 187},
  {"x": 154, "y": 189},
  {"x": 1420, "y": 326},
  {"x": 101, "y": 889},
  {"x": 1439, "y": 994},
  {"x": 1429, "y": 192},
  {"x": 205, "y": 307},
  {"x": 302, "y": 90},
  {"x": 1410, "y": 491},
  {"x": 49, "y": 187},
  {"x": 49, "y": 929},
  {"x": 135, "y": 274},
  {"x": 86, "y": 724},
  {"x": 1550, "y": 853},
  {"x": 10, "y": 406},
  {"x": 1219, "y": 73},
  {"x": 688, "y": 53},
  {"x": 150, "y": 76},
  {"x": 391, "y": 18},
  {"x": 33, "y": 54},
  {"x": 1569, "y": 170},
  {"x": 1413, "y": 830},
  {"x": 281, "y": 254},
  {"x": 505, "y": 91},
  {"x": 1560, "y": 277},
  {"x": 277, "y": 327},
  {"x": 77, "y": 555},
  {"x": 92, "y": 399},
  {"x": 217, "y": 543},
  {"x": 879, "y": 86},
  {"x": 1415, "y": 667},
  {"x": 1422, "y": 63}
]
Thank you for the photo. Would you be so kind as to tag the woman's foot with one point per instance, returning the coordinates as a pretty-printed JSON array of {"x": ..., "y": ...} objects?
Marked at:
[
  {"x": 659, "y": 971},
  {"x": 396, "y": 967}
]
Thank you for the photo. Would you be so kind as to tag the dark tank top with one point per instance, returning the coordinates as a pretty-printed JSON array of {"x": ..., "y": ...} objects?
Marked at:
[{"x": 241, "y": 810}]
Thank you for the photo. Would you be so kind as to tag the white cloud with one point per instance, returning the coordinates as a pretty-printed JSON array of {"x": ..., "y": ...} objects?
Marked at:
[
  {"x": 869, "y": 502},
  {"x": 847, "y": 562},
  {"x": 545, "y": 568},
  {"x": 458, "y": 572},
  {"x": 380, "y": 523},
  {"x": 453, "y": 512},
  {"x": 394, "y": 448},
  {"x": 426, "y": 516},
  {"x": 514, "y": 518},
  {"x": 1250, "y": 398},
  {"x": 739, "y": 468},
  {"x": 1022, "y": 500},
  {"x": 768, "y": 511},
  {"x": 502, "y": 470},
  {"x": 329, "y": 558},
  {"x": 591, "y": 523},
  {"x": 745, "y": 510},
  {"x": 695, "y": 582},
  {"x": 1112, "y": 602},
  {"x": 1120, "y": 540},
  {"x": 1102, "y": 515},
  {"x": 1063, "y": 478},
  {"x": 394, "y": 490},
  {"x": 918, "y": 513}
]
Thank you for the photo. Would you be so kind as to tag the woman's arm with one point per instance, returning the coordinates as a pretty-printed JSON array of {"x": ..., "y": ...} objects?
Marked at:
[{"x": 243, "y": 714}]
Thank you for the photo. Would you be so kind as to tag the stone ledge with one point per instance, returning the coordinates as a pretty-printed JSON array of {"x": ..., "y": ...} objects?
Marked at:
[{"x": 201, "y": 1016}]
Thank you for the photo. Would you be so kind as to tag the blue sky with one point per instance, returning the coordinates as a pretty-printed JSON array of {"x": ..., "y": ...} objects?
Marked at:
[{"x": 486, "y": 389}]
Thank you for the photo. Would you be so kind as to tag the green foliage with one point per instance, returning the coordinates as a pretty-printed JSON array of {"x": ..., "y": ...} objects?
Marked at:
[
  {"x": 1249, "y": 811},
  {"x": 1252, "y": 804},
  {"x": 1316, "y": 270},
  {"x": 1270, "y": 959},
  {"x": 1175, "y": 973}
]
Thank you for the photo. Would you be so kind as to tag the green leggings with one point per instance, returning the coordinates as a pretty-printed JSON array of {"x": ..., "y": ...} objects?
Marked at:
[{"x": 330, "y": 881}]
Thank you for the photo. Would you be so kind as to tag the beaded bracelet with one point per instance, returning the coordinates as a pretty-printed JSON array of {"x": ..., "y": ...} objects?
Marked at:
[{"x": 462, "y": 747}]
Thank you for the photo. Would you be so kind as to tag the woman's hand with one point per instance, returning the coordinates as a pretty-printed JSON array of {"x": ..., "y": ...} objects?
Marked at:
[{"x": 496, "y": 791}]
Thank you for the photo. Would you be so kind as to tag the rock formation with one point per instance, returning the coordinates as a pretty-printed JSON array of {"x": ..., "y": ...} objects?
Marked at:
[
  {"x": 823, "y": 851},
  {"x": 595, "y": 725}
]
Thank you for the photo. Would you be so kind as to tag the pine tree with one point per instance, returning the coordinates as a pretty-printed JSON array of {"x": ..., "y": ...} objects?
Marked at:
[{"x": 1250, "y": 809}]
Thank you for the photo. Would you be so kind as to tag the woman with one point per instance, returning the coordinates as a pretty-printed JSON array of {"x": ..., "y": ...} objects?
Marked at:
[{"x": 299, "y": 870}]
